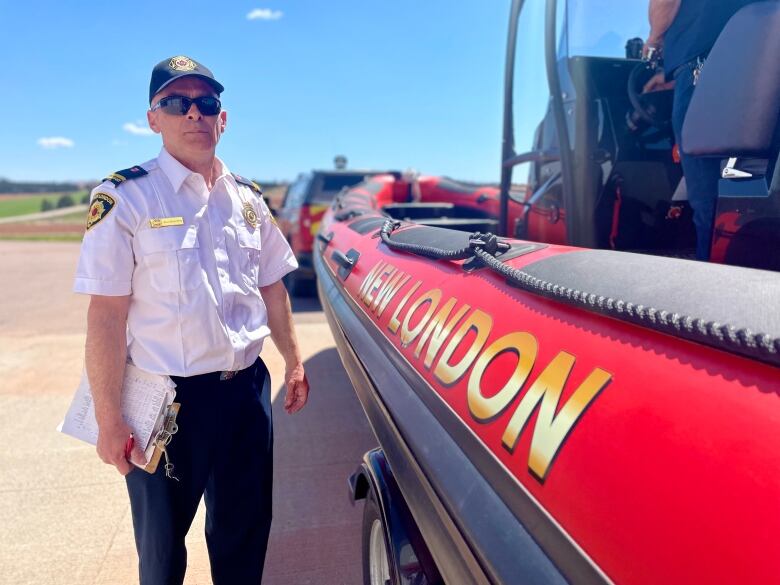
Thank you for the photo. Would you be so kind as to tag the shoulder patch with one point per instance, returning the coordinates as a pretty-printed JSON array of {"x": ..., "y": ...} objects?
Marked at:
[
  {"x": 102, "y": 204},
  {"x": 125, "y": 175},
  {"x": 249, "y": 183}
]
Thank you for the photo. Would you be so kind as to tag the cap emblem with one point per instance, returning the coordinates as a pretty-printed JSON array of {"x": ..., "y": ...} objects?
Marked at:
[{"x": 182, "y": 63}]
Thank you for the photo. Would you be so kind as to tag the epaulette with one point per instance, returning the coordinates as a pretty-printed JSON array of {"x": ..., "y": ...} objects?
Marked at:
[
  {"x": 249, "y": 183},
  {"x": 125, "y": 175}
]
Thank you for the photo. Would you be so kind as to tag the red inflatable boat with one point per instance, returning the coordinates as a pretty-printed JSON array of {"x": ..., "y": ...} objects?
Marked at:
[{"x": 551, "y": 414}]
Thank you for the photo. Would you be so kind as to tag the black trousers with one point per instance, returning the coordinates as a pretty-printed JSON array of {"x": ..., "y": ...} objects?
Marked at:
[{"x": 223, "y": 450}]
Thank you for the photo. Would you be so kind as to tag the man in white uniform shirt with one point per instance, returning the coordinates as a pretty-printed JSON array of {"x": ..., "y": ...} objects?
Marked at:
[{"x": 183, "y": 262}]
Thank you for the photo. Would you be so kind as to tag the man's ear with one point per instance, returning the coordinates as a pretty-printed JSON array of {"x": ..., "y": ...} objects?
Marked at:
[
  {"x": 151, "y": 117},
  {"x": 222, "y": 121}
]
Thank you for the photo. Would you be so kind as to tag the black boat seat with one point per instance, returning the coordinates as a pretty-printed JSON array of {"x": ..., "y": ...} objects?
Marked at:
[{"x": 735, "y": 109}]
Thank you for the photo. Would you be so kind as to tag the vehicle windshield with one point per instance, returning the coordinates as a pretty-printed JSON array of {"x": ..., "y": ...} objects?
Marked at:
[
  {"x": 332, "y": 184},
  {"x": 601, "y": 28},
  {"x": 296, "y": 193}
]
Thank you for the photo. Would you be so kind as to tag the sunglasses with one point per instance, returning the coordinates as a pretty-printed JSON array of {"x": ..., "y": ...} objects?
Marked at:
[{"x": 179, "y": 105}]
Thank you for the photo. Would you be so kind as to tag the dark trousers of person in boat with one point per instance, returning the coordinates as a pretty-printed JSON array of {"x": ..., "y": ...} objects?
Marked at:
[
  {"x": 701, "y": 174},
  {"x": 223, "y": 450}
]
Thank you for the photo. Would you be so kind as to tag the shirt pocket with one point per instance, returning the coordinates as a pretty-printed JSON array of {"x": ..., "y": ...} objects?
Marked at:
[
  {"x": 249, "y": 246},
  {"x": 170, "y": 255}
]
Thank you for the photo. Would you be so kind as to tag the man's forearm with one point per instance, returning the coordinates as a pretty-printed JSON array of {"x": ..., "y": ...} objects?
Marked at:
[
  {"x": 661, "y": 14},
  {"x": 280, "y": 322},
  {"x": 106, "y": 354}
]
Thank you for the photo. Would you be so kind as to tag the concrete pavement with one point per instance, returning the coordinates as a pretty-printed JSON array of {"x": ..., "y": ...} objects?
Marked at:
[{"x": 64, "y": 516}]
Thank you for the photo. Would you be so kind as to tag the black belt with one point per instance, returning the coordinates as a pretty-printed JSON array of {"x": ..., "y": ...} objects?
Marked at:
[{"x": 223, "y": 376}]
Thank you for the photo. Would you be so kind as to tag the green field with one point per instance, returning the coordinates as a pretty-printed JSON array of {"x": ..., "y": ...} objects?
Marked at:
[
  {"x": 24, "y": 204},
  {"x": 75, "y": 217},
  {"x": 42, "y": 237}
]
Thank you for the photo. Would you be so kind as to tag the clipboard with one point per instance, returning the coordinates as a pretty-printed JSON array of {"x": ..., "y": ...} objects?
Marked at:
[
  {"x": 148, "y": 407},
  {"x": 158, "y": 446}
]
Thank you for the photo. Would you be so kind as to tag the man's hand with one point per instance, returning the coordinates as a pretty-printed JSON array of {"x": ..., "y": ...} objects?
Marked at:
[
  {"x": 281, "y": 324},
  {"x": 652, "y": 46},
  {"x": 657, "y": 83},
  {"x": 105, "y": 356},
  {"x": 112, "y": 439},
  {"x": 297, "y": 389}
]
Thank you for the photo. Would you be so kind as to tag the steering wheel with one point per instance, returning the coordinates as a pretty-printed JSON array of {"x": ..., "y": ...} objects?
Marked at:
[{"x": 653, "y": 108}]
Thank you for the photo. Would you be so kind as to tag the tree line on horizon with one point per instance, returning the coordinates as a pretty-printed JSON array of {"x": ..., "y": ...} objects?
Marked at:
[
  {"x": 66, "y": 200},
  {"x": 9, "y": 187}
]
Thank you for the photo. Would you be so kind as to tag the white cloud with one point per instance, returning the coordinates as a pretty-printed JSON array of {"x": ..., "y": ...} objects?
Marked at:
[
  {"x": 137, "y": 128},
  {"x": 264, "y": 14},
  {"x": 50, "y": 142}
]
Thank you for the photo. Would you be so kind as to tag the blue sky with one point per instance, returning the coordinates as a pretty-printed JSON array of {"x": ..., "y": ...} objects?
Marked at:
[{"x": 389, "y": 84}]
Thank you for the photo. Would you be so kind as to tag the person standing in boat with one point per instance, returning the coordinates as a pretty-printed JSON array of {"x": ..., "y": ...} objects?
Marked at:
[
  {"x": 183, "y": 262},
  {"x": 685, "y": 31}
]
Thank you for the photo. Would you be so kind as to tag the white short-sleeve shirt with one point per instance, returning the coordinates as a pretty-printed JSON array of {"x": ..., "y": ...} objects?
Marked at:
[{"x": 195, "y": 305}]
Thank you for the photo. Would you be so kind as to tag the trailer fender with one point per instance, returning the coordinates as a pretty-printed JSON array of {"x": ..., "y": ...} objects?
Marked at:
[{"x": 408, "y": 555}]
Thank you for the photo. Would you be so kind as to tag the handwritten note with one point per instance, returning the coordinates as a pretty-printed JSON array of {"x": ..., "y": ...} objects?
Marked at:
[{"x": 145, "y": 396}]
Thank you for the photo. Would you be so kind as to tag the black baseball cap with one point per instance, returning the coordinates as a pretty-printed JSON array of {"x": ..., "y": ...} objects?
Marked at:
[{"x": 169, "y": 70}]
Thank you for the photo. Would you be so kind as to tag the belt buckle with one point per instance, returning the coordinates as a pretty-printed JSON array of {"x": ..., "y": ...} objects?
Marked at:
[{"x": 227, "y": 375}]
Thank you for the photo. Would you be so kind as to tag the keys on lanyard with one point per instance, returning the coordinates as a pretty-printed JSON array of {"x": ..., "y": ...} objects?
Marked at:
[
  {"x": 168, "y": 465},
  {"x": 697, "y": 70},
  {"x": 163, "y": 439}
]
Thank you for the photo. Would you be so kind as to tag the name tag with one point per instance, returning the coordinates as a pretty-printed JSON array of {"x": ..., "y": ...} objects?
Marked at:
[{"x": 160, "y": 222}]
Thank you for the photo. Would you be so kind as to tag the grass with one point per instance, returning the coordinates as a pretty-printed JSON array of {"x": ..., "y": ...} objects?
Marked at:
[
  {"x": 42, "y": 237},
  {"x": 25, "y": 204},
  {"x": 75, "y": 217}
]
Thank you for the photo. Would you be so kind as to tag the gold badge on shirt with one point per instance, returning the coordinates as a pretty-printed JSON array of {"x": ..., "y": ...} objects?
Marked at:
[{"x": 250, "y": 216}]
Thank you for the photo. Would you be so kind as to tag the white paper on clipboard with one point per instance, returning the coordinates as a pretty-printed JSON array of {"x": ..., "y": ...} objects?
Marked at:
[{"x": 145, "y": 400}]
